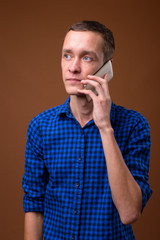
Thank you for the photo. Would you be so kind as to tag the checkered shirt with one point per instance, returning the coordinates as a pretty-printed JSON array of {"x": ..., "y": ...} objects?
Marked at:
[{"x": 66, "y": 174}]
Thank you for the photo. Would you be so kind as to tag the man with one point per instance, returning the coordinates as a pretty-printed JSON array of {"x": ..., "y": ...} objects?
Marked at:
[{"x": 87, "y": 162}]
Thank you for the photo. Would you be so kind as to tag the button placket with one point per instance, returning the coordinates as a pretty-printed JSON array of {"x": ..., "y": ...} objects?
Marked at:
[{"x": 79, "y": 168}]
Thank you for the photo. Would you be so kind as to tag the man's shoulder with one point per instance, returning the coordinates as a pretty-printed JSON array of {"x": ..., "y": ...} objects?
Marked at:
[
  {"x": 128, "y": 116},
  {"x": 46, "y": 116}
]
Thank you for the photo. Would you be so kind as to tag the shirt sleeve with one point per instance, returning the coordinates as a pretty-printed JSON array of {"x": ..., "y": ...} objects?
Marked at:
[
  {"x": 35, "y": 176},
  {"x": 137, "y": 157}
]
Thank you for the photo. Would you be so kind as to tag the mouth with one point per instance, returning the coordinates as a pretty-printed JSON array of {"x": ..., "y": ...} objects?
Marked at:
[{"x": 73, "y": 80}]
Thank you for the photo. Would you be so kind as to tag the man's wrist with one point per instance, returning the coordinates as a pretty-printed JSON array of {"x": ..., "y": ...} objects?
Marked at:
[{"x": 106, "y": 129}]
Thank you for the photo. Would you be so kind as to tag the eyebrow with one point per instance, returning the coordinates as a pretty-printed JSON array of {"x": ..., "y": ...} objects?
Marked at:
[
  {"x": 67, "y": 50},
  {"x": 85, "y": 52}
]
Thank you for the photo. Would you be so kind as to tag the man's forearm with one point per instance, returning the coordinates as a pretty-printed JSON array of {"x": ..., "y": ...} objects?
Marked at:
[
  {"x": 33, "y": 226},
  {"x": 126, "y": 193}
]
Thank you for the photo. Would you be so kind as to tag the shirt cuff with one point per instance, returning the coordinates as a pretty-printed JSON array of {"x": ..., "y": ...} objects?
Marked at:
[{"x": 33, "y": 204}]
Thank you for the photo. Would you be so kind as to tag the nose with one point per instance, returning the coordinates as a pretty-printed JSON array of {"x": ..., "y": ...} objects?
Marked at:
[{"x": 75, "y": 66}]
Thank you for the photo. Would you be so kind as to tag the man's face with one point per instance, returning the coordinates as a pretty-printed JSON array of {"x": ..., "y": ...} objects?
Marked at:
[{"x": 82, "y": 55}]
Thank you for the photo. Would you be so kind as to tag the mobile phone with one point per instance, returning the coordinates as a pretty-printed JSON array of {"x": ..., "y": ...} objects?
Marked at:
[{"x": 105, "y": 69}]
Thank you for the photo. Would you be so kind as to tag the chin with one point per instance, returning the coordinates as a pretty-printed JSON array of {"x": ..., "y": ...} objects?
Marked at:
[{"x": 73, "y": 91}]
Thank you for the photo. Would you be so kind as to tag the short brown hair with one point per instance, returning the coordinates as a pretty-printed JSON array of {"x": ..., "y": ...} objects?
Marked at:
[{"x": 94, "y": 26}]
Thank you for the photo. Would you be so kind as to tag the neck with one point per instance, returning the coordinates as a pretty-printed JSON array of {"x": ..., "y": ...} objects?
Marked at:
[{"x": 81, "y": 109}]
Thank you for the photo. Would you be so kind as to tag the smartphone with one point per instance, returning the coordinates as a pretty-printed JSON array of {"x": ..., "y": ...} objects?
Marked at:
[{"x": 105, "y": 69}]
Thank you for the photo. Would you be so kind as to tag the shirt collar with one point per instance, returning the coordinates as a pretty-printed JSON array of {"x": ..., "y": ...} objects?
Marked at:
[{"x": 65, "y": 110}]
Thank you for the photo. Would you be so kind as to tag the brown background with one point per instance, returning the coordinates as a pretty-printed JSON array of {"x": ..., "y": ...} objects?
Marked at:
[{"x": 31, "y": 35}]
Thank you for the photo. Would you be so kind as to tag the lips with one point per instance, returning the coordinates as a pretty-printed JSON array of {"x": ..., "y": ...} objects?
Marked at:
[{"x": 73, "y": 80}]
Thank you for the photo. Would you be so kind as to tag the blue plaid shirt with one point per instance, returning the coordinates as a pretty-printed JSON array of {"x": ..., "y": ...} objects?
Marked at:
[{"x": 66, "y": 174}]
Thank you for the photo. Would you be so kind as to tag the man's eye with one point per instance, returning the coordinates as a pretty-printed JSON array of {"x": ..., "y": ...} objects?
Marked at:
[
  {"x": 87, "y": 58},
  {"x": 67, "y": 56}
]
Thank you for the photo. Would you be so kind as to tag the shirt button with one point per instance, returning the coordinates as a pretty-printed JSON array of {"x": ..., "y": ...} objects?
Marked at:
[
  {"x": 75, "y": 211},
  {"x": 77, "y": 185},
  {"x": 73, "y": 237},
  {"x": 79, "y": 158}
]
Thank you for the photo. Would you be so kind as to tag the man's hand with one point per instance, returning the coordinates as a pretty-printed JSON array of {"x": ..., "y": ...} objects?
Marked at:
[{"x": 101, "y": 102}]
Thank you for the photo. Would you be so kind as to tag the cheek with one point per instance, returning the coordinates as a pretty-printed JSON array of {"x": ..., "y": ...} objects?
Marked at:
[
  {"x": 63, "y": 70},
  {"x": 89, "y": 71},
  {"x": 64, "y": 67}
]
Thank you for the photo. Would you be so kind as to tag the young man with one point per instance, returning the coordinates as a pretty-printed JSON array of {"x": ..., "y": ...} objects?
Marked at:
[{"x": 87, "y": 162}]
